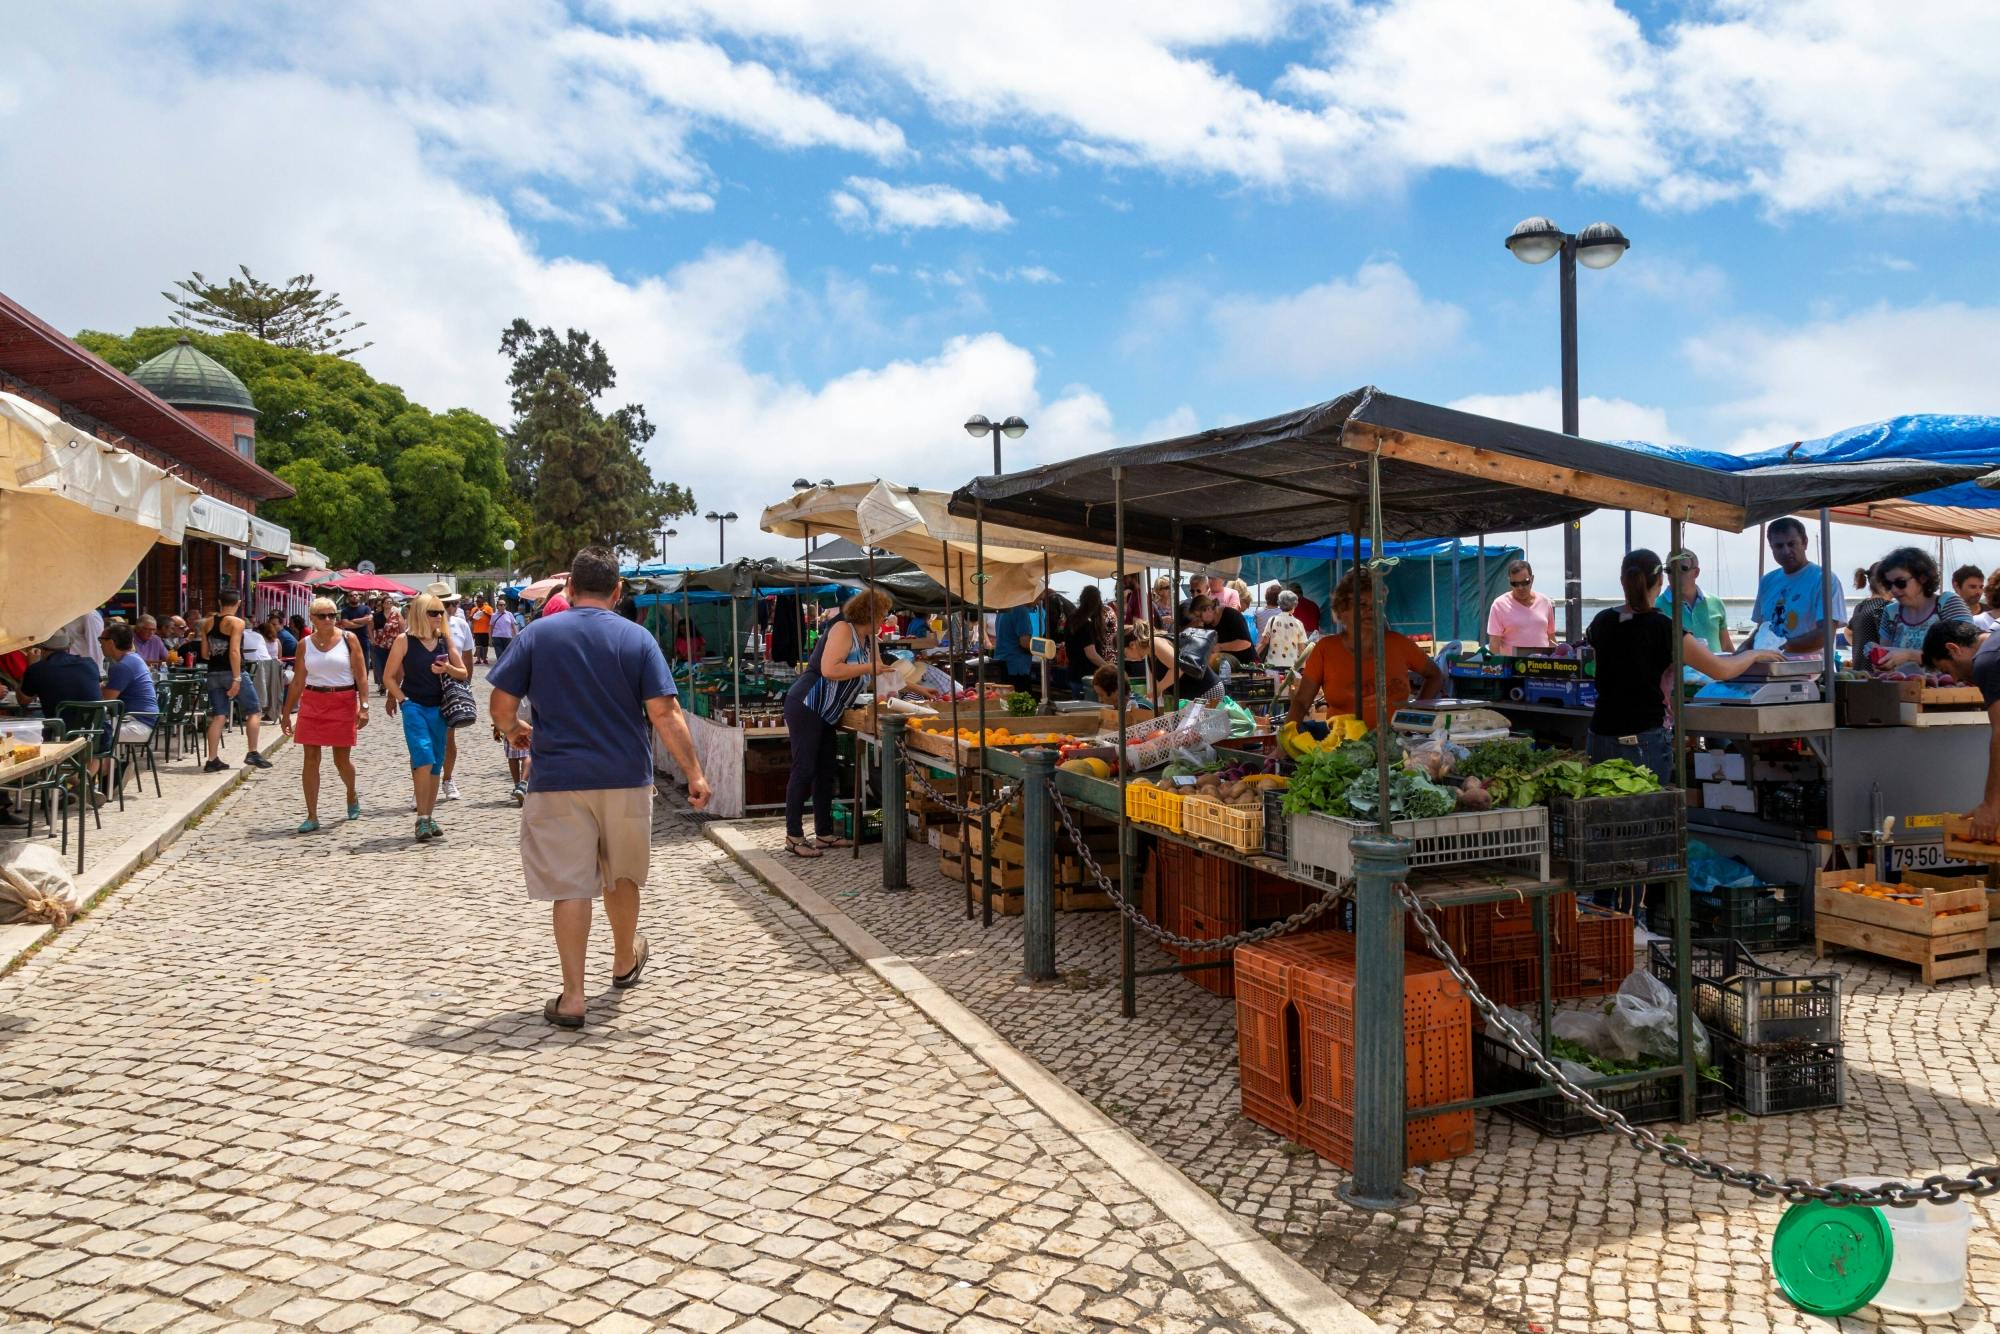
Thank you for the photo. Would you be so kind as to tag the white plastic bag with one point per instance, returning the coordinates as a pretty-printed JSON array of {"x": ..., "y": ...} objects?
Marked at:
[
  {"x": 1201, "y": 725},
  {"x": 1643, "y": 1022},
  {"x": 1531, "y": 1030},
  {"x": 35, "y": 885}
]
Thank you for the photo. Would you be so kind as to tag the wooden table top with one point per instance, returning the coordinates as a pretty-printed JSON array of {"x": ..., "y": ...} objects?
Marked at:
[{"x": 53, "y": 753}]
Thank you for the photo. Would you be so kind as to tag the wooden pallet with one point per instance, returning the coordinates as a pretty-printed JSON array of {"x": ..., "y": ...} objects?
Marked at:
[{"x": 1941, "y": 947}]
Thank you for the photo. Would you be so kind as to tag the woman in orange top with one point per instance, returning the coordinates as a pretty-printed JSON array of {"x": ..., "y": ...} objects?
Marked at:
[
  {"x": 482, "y": 625},
  {"x": 1328, "y": 671}
]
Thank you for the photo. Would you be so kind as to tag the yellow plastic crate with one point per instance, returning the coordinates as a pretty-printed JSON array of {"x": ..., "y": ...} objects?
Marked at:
[
  {"x": 1238, "y": 827},
  {"x": 1152, "y": 805}
]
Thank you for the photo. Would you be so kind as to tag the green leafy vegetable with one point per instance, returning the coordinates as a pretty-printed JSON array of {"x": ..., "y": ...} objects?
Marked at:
[
  {"x": 1021, "y": 703},
  {"x": 1489, "y": 759},
  {"x": 1320, "y": 781},
  {"x": 1411, "y": 796}
]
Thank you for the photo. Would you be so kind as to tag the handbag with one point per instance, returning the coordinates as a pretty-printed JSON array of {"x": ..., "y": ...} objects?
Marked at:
[{"x": 457, "y": 707}]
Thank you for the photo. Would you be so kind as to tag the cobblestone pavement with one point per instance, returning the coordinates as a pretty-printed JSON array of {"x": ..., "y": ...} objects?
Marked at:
[
  {"x": 1525, "y": 1233},
  {"x": 286, "y": 1082}
]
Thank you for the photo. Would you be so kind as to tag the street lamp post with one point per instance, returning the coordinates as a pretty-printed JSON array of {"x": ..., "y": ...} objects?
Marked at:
[
  {"x": 666, "y": 534},
  {"x": 508, "y": 547},
  {"x": 1013, "y": 428},
  {"x": 1598, "y": 246},
  {"x": 721, "y": 555}
]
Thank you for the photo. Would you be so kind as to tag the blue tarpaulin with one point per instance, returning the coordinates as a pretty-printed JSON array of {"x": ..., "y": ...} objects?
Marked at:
[
  {"x": 1928, "y": 437},
  {"x": 1423, "y": 585}
]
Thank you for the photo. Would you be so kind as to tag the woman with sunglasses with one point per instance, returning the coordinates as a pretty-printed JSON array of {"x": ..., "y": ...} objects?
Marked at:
[
  {"x": 1911, "y": 580},
  {"x": 328, "y": 695},
  {"x": 1520, "y": 619},
  {"x": 419, "y": 661}
]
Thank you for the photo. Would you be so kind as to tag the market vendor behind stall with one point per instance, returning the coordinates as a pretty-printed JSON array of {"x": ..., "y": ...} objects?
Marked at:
[
  {"x": 1791, "y": 600},
  {"x": 1916, "y": 604},
  {"x": 1958, "y": 649},
  {"x": 1328, "y": 671},
  {"x": 1520, "y": 618}
]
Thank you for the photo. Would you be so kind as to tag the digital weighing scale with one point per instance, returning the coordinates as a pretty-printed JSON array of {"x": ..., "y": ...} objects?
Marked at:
[
  {"x": 1463, "y": 721},
  {"x": 1794, "y": 680}
]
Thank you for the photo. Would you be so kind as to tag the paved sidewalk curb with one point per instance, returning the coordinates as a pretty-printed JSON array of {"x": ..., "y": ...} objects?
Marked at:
[
  {"x": 135, "y": 852},
  {"x": 1287, "y": 1286}
]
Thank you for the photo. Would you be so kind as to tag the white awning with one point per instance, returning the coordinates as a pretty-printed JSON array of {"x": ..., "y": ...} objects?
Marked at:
[
  {"x": 268, "y": 539},
  {"x": 303, "y": 557},
  {"x": 219, "y": 521},
  {"x": 76, "y": 518}
]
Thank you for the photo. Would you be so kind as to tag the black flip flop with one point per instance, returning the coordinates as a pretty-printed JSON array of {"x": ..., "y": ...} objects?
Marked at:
[
  {"x": 558, "y": 1018},
  {"x": 630, "y": 978}
]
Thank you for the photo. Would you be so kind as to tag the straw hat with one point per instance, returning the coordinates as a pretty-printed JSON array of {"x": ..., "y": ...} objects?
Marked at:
[{"x": 442, "y": 592}]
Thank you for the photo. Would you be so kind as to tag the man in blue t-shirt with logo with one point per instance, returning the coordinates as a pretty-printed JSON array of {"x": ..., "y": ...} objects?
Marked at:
[
  {"x": 1792, "y": 599},
  {"x": 1011, "y": 633},
  {"x": 601, "y": 692}
]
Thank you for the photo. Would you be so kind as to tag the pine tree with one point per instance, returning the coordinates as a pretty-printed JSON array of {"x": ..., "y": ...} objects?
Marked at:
[{"x": 297, "y": 315}]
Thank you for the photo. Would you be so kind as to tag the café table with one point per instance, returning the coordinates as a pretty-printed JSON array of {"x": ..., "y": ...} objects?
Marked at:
[{"x": 53, "y": 753}]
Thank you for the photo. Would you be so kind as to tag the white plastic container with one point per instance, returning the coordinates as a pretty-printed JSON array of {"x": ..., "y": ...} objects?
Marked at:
[
  {"x": 1927, "y": 1275},
  {"x": 20, "y": 731}
]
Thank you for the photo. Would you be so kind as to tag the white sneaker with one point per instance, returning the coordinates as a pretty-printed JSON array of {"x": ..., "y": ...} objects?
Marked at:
[{"x": 449, "y": 791}]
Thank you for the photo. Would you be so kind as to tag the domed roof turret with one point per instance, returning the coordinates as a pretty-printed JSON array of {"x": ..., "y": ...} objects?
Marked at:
[{"x": 187, "y": 377}]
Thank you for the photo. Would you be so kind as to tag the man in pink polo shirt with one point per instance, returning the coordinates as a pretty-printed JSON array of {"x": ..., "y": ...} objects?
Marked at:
[{"x": 1521, "y": 619}]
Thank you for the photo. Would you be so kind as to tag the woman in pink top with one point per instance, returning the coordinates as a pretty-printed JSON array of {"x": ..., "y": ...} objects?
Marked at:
[{"x": 1521, "y": 618}]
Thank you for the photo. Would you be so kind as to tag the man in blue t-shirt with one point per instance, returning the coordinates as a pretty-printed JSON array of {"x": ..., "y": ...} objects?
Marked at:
[
  {"x": 601, "y": 691},
  {"x": 1792, "y": 599},
  {"x": 127, "y": 680},
  {"x": 1011, "y": 632}
]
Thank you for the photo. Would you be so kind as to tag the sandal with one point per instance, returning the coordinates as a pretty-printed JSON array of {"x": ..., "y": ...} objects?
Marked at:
[
  {"x": 833, "y": 840},
  {"x": 630, "y": 977},
  {"x": 308, "y": 826},
  {"x": 801, "y": 847},
  {"x": 558, "y": 1018},
  {"x": 354, "y": 810}
]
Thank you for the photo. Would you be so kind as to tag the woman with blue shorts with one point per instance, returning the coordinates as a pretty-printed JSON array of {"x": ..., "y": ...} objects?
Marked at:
[{"x": 414, "y": 677}]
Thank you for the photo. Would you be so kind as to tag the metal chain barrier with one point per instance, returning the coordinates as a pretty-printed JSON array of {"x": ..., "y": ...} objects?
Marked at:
[
  {"x": 1000, "y": 798},
  {"x": 1980, "y": 1181},
  {"x": 1131, "y": 910}
]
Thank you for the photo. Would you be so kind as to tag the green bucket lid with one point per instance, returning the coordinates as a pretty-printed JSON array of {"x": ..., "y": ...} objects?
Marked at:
[{"x": 1829, "y": 1259}]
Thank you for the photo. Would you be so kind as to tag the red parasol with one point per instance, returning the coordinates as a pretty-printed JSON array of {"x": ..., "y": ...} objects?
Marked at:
[
  {"x": 353, "y": 581},
  {"x": 541, "y": 588}
]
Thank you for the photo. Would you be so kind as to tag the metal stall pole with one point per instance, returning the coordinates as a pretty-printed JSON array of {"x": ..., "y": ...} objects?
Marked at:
[
  {"x": 1677, "y": 887},
  {"x": 1128, "y": 843},
  {"x": 1038, "y": 890},
  {"x": 1480, "y": 601},
  {"x": 805, "y": 621},
  {"x": 735, "y": 660},
  {"x": 989, "y": 823},
  {"x": 1434, "y": 603},
  {"x": 1826, "y": 599},
  {"x": 958, "y": 770},
  {"x": 895, "y": 831},
  {"x": 1380, "y": 863},
  {"x": 1333, "y": 607},
  {"x": 1457, "y": 596}
]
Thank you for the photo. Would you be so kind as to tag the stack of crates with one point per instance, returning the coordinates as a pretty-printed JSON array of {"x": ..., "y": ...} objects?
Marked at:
[
  {"x": 1590, "y": 948},
  {"x": 1295, "y": 1046},
  {"x": 1203, "y": 897},
  {"x": 1776, "y": 1034}
]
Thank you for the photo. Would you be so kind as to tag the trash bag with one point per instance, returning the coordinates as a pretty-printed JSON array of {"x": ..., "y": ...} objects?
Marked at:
[
  {"x": 1642, "y": 1022},
  {"x": 35, "y": 885},
  {"x": 1532, "y": 1032},
  {"x": 1709, "y": 870}
]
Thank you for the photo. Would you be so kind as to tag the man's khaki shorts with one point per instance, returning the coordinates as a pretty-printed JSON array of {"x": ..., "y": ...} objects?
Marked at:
[{"x": 576, "y": 845}]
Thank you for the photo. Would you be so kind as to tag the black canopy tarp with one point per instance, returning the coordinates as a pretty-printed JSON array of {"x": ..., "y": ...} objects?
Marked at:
[
  {"x": 905, "y": 583},
  {"x": 1301, "y": 476}
]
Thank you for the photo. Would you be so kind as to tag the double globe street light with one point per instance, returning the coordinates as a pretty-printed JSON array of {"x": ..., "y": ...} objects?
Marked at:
[
  {"x": 720, "y": 521},
  {"x": 1013, "y": 428},
  {"x": 1598, "y": 246}
]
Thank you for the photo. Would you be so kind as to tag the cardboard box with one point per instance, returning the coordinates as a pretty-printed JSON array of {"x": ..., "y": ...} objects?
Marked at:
[
  {"x": 1729, "y": 797},
  {"x": 1719, "y": 766},
  {"x": 1875, "y": 703}
]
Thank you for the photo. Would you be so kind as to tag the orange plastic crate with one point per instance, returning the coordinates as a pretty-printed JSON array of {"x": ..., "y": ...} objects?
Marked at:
[
  {"x": 1295, "y": 1046},
  {"x": 1209, "y": 885},
  {"x": 1499, "y": 932},
  {"x": 1604, "y": 950},
  {"x": 1199, "y": 926}
]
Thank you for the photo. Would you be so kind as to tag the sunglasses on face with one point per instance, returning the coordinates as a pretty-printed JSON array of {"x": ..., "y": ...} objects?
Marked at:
[
  {"x": 1521, "y": 583},
  {"x": 1897, "y": 584},
  {"x": 324, "y": 616}
]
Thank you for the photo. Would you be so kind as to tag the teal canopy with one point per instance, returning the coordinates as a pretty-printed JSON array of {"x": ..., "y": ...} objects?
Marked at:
[{"x": 1425, "y": 592}]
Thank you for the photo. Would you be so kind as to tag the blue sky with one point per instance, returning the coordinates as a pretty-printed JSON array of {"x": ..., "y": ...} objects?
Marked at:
[{"x": 816, "y": 237}]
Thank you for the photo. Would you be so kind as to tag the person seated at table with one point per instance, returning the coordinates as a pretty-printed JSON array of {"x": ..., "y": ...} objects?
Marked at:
[
  {"x": 1112, "y": 685},
  {"x": 55, "y": 677},
  {"x": 146, "y": 642},
  {"x": 1328, "y": 671},
  {"x": 127, "y": 680},
  {"x": 1911, "y": 578}
]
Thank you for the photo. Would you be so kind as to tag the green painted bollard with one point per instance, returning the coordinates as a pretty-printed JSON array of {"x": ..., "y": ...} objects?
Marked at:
[
  {"x": 895, "y": 822},
  {"x": 1380, "y": 863},
  {"x": 1038, "y": 890}
]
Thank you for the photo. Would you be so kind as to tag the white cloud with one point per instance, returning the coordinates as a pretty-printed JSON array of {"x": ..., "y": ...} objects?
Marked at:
[
  {"x": 1597, "y": 418},
  {"x": 1812, "y": 379},
  {"x": 880, "y": 206},
  {"x": 1011, "y": 160},
  {"x": 1341, "y": 326}
]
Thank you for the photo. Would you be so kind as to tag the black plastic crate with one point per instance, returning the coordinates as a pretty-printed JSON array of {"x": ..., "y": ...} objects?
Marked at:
[
  {"x": 1275, "y": 826},
  {"x": 1740, "y": 997},
  {"x": 1782, "y": 1077},
  {"x": 1764, "y": 917},
  {"x": 1618, "y": 840},
  {"x": 1498, "y": 1068},
  {"x": 1255, "y": 688}
]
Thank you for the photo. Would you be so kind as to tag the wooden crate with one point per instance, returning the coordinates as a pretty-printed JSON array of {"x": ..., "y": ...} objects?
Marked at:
[
  {"x": 1942, "y": 947},
  {"x": 1959, "y": 845}
]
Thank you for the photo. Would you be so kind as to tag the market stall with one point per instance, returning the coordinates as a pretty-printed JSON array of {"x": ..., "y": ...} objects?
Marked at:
[{"x": 1412, "y": 472}]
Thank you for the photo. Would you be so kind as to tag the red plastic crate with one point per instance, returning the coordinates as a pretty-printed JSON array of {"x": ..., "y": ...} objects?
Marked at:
[
  {"x": 1499, "y": 932},
  {"x": 1273, "y": 897},
  {"x": 1604, "y": 950},
  {"x": 1197, "y": 926},
  {"x": 1295, "y": 1046},
  {"x": 1209, "y": 885},
  {"x": 1518, "y": 982}
]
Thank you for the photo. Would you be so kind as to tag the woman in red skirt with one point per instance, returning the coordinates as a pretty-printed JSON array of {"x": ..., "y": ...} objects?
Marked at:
[{"x": 331, "y": 708}]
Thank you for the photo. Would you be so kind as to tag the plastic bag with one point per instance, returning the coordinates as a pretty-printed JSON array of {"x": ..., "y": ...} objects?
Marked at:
[
  {"x": 1642, "y": 1022},
  {"x": 1586, "y": 1028},
  {"x": 35, "y": 885},
  {"x": 1241, "y": 721},
  {"x": 1435, "y": 758},
  {"x": 1709, "y": 870},
  {"x": 1532, "y": 1031},
  {"x": 1201, "y": 725}
]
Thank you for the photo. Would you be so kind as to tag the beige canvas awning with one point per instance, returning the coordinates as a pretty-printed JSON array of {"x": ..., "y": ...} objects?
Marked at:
[
  {"x": 919, "y": 526},
  {"x": 76, "y": 518}
]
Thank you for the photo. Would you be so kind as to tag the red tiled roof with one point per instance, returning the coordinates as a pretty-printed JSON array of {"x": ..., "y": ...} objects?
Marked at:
[{"x": 34, "y": 351}]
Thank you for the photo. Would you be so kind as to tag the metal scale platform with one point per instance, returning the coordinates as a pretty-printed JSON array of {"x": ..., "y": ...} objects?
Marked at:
[{"x": 1795, "y": 680}]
